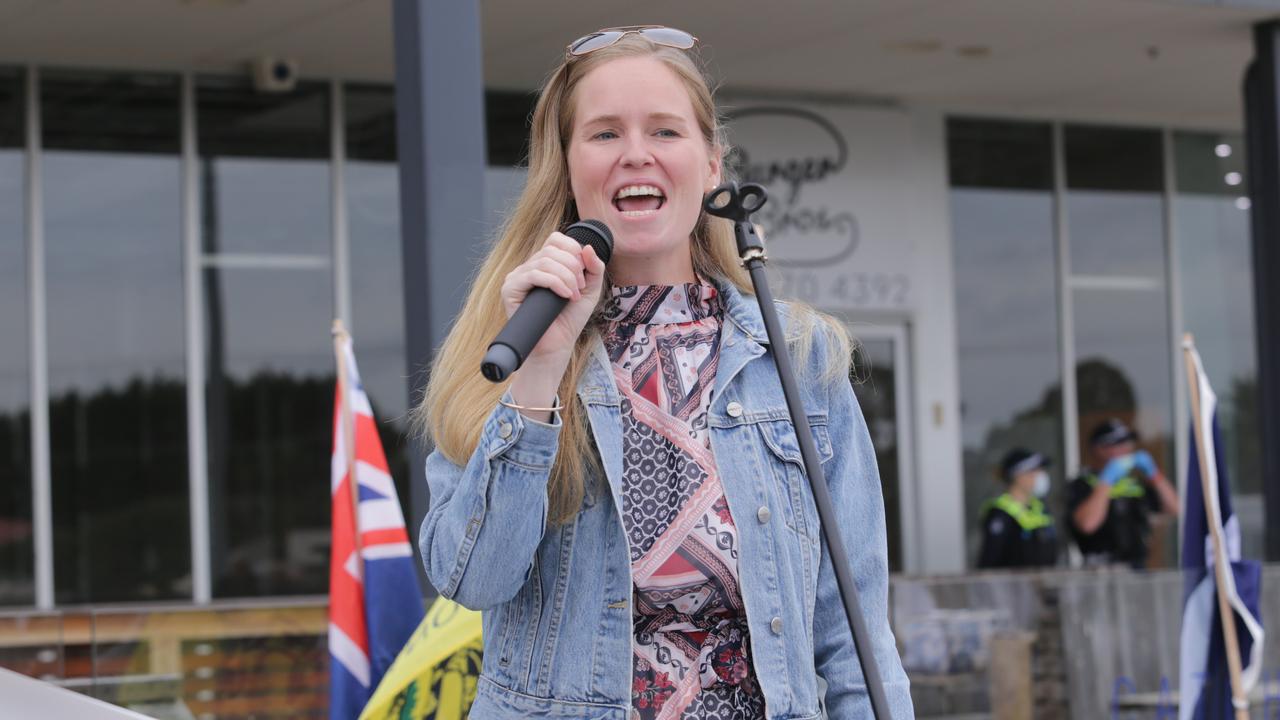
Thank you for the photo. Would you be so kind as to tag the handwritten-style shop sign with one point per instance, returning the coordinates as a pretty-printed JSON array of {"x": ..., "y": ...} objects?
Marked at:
[
  {"x": 815, "y": 152},
  {"x": 812, "y": 220}
]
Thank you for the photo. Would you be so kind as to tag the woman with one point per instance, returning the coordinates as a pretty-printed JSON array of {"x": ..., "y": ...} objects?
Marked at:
[{"x": 630, "y": 511}]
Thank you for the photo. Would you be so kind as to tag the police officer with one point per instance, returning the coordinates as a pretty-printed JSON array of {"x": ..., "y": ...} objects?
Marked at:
[
  {"x": 1017, "y": 533},
  {"x": 1111, "y": 503}
]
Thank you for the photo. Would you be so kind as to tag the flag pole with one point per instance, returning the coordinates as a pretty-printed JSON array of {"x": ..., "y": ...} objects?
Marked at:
[
  {"x": 1221, "y": 564},
  {"x": 340, "y": 337}
]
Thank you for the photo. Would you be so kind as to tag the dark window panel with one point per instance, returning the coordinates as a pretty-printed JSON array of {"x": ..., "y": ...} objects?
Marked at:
[
  {"x": 133, "y": 113},
  {"x": 507, "y": 116},
  {"x": 12, "y": 108},
  {"x": 1004, "y": 154},
  {"x": 1111, "y": 159},
  {"x": 1205, "y": 163},
  {"x": 371, "y": 122},
  {"x": 17, "y": 550},
  {"x": 237, "y": 121}
]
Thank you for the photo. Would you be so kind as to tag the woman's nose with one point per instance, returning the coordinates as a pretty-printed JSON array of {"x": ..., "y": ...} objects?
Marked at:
[{"x": 636, "y": 153}]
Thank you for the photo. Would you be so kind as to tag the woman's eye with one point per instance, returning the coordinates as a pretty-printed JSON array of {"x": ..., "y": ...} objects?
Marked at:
[
  {"x": 606, "y": 135},
  {"x": 667, "y": 132}
]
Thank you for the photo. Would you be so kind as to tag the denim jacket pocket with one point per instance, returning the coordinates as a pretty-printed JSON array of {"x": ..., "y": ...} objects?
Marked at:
[{"x": 788, "y": 470}]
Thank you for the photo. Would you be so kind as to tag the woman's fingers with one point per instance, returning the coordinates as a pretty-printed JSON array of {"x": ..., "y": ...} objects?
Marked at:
[
  {"x": 592, "y": 261},
  {"x": 554, "y": 267},
  {"x": 553, "y": 282},
  {"x": 562, "y": 265},
  {"x": 570, "y": 260}
]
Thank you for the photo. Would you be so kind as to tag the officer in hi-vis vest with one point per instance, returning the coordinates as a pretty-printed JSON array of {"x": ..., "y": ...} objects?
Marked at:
[
  {"x": 1111, "y": 503},
  {"x": 1016, "y": 530}
]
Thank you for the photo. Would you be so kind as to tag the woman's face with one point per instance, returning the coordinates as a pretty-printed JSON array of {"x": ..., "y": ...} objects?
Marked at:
[{"x": 639, "y": 163}]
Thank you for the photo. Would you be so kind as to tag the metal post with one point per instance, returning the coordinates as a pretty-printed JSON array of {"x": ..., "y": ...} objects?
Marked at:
[
  {"x": 1066, "y": 310},
  {"x": 42, "y": 475},
  {"x": 338, "y": 205},
  {"x": 441, "y": 149},
  {"x": 197, "y": 450},
  {"x": 1262, "y": 125}
]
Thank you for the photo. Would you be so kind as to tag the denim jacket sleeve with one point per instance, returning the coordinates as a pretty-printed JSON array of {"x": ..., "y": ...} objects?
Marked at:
[
  {"x": 854, "y": 482},
  {"x": 486, "y": 519}
]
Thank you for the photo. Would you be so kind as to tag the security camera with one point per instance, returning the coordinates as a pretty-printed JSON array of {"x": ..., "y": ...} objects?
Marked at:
[{"x": 274, "y": 75}]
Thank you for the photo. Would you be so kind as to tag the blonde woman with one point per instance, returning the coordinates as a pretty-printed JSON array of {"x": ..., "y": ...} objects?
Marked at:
[{"x": 630, "y": 510}]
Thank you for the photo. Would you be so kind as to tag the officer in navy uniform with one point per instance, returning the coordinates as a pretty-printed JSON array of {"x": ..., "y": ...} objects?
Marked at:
[
  {"x": 1016, "y": 530},
  {"x": 1111, "y": 503}
]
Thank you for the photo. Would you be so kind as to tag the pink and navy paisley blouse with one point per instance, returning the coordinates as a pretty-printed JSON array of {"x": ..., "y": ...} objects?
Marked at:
[{"x": 692, "y": 654}]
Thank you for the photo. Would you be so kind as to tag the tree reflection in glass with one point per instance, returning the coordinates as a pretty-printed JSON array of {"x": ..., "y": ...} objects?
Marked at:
[
  {"x": 17, "y": 548},
  {"x": 116, "y": 362}
]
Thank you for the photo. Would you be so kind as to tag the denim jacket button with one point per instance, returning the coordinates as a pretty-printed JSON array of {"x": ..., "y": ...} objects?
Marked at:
[
  {"x": 504, "y": 430},
  {"x": 763, "y": 514},
  {"x": 776, "y": 625},
  {"x": 734, "y": 409}
]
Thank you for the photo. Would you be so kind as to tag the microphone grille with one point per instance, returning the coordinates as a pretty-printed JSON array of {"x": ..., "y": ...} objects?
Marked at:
[{"x": 593, "y": 233}]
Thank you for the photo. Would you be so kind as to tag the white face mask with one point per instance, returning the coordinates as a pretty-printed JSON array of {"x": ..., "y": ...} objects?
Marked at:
[{"x": 1042, "y": 484}]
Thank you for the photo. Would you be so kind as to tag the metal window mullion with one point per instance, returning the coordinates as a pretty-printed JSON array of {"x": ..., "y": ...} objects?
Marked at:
[
  {"x": 197, "y": 447},
  {"x": 1066, "y": 324},
  {"x": 41, "y": 473},
  {"x": 338, "y": 203},
  {"x": 1181, "y": 418},
  {"x": 909, "y": 508}
]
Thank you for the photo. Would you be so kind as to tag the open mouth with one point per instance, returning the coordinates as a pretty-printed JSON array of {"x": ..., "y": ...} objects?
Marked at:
[{"x": 639, "y": 200}]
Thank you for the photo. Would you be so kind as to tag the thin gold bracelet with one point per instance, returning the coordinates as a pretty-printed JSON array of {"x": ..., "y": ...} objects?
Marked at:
[{"x": 559, "y": 406}]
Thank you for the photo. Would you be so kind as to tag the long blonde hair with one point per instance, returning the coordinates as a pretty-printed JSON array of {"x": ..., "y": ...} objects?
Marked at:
[{"x": 458, "y": 400}]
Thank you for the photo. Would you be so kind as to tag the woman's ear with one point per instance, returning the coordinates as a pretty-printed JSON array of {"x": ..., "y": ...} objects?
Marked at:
[{"x": 715, "y": 164}]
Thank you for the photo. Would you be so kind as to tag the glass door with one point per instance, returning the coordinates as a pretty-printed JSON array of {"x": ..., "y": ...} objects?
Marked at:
[{"x": 879, "y": 378}]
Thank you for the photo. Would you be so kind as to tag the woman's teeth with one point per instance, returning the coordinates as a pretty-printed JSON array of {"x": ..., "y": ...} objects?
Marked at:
[{"x": 638, "y": 200}]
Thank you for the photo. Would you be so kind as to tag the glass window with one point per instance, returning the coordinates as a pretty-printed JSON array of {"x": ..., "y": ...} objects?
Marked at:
[
  {"x": 1120, "y": 301},
  {"x": 1115, "y": 204},
  {"x": 265, "y": 157},
  {"x": 268, "y": 301},
  {"x": 117, "y": 391},
  {"x": 506, "y": 117},
  {"x": 1006, "y": 301},
  {"x": 875, "y": 380},
  {"x": 1214, "y": 252},
  {"x": 377, "y": 302},
  {"x": 17, "y": 550}
]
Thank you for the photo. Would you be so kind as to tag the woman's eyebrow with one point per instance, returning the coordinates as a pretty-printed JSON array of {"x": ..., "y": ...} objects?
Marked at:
[{"x": 616, "y": 119}]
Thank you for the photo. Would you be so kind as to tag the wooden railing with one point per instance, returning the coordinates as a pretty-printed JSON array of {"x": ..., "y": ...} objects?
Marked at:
[{"x": 225, "y": 661}]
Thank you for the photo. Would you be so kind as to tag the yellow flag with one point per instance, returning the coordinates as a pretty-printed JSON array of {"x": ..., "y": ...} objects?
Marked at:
[{"x": 435, "y": 674}]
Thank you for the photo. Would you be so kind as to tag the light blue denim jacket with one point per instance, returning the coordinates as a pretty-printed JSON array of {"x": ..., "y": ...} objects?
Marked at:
[{"x": 556, "y": 601}]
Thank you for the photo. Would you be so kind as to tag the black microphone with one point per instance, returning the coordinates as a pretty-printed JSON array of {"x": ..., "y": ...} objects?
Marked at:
[{"x": 540, "y": 308}]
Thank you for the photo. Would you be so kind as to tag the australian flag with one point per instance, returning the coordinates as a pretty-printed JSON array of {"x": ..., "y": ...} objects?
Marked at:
[
  {"x": 1205, "y": 677},
  {"x": 375, "y": 602}
]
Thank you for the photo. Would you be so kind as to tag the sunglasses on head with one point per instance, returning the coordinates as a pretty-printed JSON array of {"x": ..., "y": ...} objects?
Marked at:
[{"x": 658, "y": 34}]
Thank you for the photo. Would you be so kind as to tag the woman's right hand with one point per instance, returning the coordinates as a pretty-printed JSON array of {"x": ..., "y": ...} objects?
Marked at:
[{"x": 573, "y": 272}]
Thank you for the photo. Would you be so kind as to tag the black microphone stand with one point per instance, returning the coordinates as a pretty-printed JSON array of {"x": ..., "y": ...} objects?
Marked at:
[{"x": 737, "y": 203}]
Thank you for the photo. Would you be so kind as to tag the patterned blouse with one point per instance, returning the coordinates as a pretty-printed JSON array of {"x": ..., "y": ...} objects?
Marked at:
[{"x": 692, "y": 655}]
